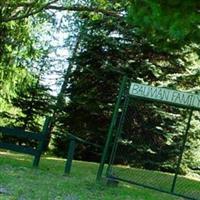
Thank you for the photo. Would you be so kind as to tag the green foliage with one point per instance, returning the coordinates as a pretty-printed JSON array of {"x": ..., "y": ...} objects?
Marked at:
[
  {"x": 24, "y": 100},
  {"x": 15, "y": 45},
  {"x": 13, "y": 79},
  {"x": 191, "y": 155},
  {"x": 34, "y": 102},
  {"x": 166, "y": 22}
]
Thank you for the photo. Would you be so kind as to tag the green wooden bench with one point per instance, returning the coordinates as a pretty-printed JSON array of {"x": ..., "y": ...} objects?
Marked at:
[{"x": 40, "y": 138}]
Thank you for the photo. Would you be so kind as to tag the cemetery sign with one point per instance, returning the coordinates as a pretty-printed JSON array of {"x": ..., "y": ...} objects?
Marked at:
[{"x": 183, "y": 99}]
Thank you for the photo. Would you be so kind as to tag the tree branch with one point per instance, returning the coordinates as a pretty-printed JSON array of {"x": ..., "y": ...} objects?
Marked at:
[
  {"x": 27, "y": 14},
  {"x": 20, "y": 4},
  {"x": 49, "y": 6},
  {"x": 81, "y": 8}
]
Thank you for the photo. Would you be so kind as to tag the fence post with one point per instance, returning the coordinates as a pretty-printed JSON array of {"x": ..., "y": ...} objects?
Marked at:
[
  {"x": 43, "y": 142},
  {"x": 182, "y": 150},
  {"x": 110, "y": 131},
  {"x": 117, "y": 135},
  {"x": 70, "y": 155}
]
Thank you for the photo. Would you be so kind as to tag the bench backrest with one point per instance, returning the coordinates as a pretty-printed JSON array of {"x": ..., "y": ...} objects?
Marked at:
[{"x": 41, "y": 138}]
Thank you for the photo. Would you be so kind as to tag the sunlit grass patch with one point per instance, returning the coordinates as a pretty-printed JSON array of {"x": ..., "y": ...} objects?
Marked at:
[{"x": 47, "y": 182}]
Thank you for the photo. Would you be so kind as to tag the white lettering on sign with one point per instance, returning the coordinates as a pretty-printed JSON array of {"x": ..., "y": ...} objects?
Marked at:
[{"x": 165, "y": 95}]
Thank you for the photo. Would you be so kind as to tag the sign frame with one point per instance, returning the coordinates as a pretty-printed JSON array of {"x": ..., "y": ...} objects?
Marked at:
[{"x": 165, "y": 95}]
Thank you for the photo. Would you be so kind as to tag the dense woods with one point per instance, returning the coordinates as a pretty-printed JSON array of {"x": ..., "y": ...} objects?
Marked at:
[{"x": 153, "y": 42}]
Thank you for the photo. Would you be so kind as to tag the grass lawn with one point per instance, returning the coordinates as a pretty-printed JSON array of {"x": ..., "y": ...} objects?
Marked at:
[
  {"x": 186, "y": 186},
  {"x": 19, "y": 181}
]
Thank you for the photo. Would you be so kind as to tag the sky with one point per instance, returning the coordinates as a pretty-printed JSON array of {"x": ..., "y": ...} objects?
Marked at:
[{"x": 56, "y": 36}]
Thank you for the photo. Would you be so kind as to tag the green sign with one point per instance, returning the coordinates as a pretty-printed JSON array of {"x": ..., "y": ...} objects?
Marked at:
[{"x": 183, "y": 99}]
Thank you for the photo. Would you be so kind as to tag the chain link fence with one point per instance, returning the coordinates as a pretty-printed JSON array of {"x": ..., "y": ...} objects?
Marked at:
[{"x": 150, "y": 148}]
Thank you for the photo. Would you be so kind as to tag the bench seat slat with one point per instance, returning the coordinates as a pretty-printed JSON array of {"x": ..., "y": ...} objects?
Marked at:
[
  {"x": 17, "y": 148},
  {"x": 21, "y": 133}
]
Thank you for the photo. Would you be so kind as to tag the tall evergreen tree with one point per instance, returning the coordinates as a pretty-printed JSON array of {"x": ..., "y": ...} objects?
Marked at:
[{"x": 109, "y": 49}]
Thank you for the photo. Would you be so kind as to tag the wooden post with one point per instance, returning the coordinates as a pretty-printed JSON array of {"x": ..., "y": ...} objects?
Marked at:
[
  {"x": 42, "y": 142},
  {"x": 70, "y": 156}
]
